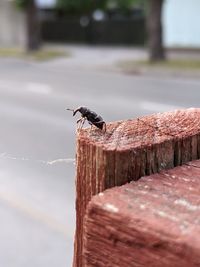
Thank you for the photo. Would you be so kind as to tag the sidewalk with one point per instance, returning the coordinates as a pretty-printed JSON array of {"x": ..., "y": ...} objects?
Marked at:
[
  {"x": 123, "y": 59},
  {"x": 98, "y": 57},
  {"x": 126, "y": 60}
]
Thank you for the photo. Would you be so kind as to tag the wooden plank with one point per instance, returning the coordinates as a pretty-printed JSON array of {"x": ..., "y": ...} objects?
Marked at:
[
  {"x": 128, "y": 150},
  {"x": 153, "y": 222}
]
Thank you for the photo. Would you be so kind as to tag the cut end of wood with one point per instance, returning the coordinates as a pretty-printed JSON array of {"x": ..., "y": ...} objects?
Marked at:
[
  {"x": 153, "y": 222},
  {"x": 145, "y": 131},
  {"x": 134, "y": 148}
]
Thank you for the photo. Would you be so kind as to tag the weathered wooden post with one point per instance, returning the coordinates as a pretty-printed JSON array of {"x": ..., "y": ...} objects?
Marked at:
[
  {"x": 153, "y": 222},
  {"x": 127, "y": 151}
]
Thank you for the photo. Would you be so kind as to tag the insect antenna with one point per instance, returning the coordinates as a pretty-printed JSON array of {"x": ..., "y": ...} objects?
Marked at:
[
  {"x": 70, "y": 109},
  {"x": 74, "y": 111}
]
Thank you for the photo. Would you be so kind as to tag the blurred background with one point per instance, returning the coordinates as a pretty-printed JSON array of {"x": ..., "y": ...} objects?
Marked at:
[{"x": 120, "y": 58}]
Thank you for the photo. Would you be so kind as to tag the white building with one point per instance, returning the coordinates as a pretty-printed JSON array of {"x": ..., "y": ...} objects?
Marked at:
[
  {"x": 12, "y": 23},
  {"x": 46, "y": 3},
  {"x": 181, "y": 20},
  {"x": 12, "y": 26}
]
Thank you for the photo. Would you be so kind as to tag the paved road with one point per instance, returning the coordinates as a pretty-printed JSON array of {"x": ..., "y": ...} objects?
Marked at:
[{"x": 37, "y": 146}]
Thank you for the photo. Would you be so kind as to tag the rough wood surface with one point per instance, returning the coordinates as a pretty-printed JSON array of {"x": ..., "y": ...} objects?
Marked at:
[
  {"x": 154, "y": 222},
  {"x": 129, "y": 150}
]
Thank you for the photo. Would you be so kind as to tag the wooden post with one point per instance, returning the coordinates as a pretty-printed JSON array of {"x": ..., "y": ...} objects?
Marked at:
[
  {"x": 154, "y": 222},
  {"x": 127, "y": 151}
]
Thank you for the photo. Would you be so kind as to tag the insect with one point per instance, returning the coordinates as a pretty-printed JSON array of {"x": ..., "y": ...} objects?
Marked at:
[{"x": 92, "y": 117}]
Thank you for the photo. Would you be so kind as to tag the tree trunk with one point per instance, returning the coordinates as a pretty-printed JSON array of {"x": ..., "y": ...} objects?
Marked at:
[
  {"x": 154, "y": 28},
  {"x": 33, "y": 27}
]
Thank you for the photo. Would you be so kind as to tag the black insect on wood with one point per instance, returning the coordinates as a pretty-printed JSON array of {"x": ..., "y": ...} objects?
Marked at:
[{"x": 92, "y": 117}]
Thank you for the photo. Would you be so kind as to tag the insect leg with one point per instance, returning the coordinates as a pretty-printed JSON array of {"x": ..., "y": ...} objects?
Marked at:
[
  {"x": 78, "y": 122},
  {"x": 91, "y": 125},
  {"x": 81, "y": 122},
  {"x": 99, "y": 122},
  {"x": 104, "y": 127}
]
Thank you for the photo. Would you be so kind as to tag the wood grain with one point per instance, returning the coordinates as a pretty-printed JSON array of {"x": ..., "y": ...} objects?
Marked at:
[
  {"x": 154, "y": 222},
  {"x": 129, "y": 150}
]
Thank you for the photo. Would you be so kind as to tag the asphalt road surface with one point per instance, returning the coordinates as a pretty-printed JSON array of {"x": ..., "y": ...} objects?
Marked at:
[{"x": 37, "y": 143}]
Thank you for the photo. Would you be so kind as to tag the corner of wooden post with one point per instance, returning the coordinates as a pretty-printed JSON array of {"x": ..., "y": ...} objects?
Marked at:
[{"x": 128, "y": 150}]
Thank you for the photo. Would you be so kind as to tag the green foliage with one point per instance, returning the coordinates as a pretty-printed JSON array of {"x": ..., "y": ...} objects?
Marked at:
[
  {"x": 126, "y": 5},
  {"x": 121, "y": 4},
  {"x": 22, "y": 3},
  {"x": 80, "y": 6},
  {"x": 40, "y": 55},
  {"x": 85, "y": 6}
]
